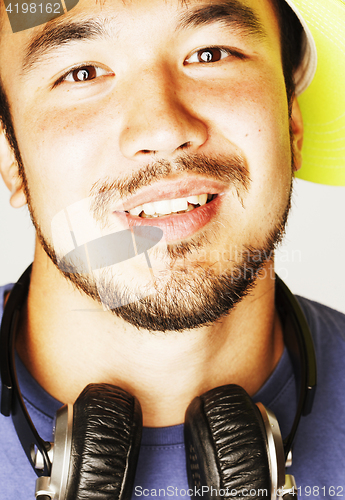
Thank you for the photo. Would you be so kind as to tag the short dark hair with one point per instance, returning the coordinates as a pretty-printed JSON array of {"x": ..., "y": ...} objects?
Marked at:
[
  {"x": 291, "y": 39},
  {"x": 291, "y": 35}
]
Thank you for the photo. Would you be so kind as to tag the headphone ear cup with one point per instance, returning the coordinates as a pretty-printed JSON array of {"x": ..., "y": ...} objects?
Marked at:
[
  {"x": 106, "y": 435},
  {"x": 226, "y": 446}
]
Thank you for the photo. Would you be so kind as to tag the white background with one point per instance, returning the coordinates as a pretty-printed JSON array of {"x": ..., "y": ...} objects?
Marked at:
[{"x": 310, "y": 260}]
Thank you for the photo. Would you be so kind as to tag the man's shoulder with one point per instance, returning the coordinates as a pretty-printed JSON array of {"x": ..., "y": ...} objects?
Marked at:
[
  {"x": 4, "y": 289},
  {"x": 319, "y": 457},
  {"x": 328, "y": 331},
  {"x": 12, "y": 459},
  {"x": 326, "y": 324}
]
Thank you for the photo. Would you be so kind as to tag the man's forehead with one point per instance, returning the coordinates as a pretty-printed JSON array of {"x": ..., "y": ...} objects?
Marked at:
[{"x": 117, "y": 7}]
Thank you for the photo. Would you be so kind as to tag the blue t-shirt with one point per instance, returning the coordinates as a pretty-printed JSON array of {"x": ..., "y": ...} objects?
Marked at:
[{"x": 319, "y": 452}]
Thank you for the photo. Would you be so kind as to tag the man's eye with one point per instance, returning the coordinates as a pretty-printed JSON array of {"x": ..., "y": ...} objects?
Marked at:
[
  {"x": 84, "y": 74},
  {"x": 208, "y": 55}
]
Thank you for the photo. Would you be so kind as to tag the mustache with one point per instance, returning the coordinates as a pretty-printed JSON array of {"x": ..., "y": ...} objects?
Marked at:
[{"x": 231, "y": 170}]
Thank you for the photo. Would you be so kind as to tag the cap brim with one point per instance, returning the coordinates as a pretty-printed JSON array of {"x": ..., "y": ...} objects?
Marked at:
[{"x": 323, "y": 102}]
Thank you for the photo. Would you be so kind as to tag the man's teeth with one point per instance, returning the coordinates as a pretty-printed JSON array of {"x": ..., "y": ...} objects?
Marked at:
[{"x": 165, "y": 207}]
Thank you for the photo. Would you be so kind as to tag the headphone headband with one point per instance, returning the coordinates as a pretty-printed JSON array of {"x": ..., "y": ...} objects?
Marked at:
[
  {"x": 11, "y": 398},
  {"x": 299, "y": 343}
]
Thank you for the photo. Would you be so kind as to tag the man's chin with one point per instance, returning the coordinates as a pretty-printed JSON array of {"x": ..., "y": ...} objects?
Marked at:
[
  {"x": 179, "y": 291},
  {"x": 187, "y": 300}
]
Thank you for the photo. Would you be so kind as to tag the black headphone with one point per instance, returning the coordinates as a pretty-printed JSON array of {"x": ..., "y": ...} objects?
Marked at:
[{"x": 231, "y": 443}]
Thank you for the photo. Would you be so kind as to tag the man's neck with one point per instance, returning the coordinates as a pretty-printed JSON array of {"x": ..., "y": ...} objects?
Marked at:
[{"x": 67, "y": 341}]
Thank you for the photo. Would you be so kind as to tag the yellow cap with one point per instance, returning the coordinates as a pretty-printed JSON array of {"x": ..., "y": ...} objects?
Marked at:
[{"x": 323, "y": 101}]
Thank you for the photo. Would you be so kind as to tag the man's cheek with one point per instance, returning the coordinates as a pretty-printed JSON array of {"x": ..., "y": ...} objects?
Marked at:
[
  {"x": 77, "y": 138},
  {"x": 55, "y": 158}
]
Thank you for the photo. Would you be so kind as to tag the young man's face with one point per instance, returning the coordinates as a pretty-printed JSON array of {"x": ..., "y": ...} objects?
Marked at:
[{"x": 152, "y": 100}]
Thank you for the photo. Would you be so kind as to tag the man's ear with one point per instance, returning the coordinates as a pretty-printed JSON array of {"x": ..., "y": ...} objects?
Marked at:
[
  {"x": 9, "y": 172},
  {"x": 297, "y": 133}
]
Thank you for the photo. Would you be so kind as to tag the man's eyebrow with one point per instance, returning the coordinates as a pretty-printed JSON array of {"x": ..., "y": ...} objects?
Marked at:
[
  {"x": 230, "y": 13},
  {"x": 61, "y": 32},
  {"x": 58, "y": 32}
]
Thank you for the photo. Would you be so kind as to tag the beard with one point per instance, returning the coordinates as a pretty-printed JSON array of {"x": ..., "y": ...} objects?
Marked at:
[{"x": 192, "y": 296}]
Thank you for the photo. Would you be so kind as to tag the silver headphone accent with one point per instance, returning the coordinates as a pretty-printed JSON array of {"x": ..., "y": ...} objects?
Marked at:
[
  {"x": 275, "y": 450},
  {"x": 54, "y": 487},
  {"x": 283, "y": 486}
]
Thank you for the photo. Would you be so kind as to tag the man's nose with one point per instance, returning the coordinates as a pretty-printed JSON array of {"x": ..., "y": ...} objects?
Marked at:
[{"x": 158, "y": 121}]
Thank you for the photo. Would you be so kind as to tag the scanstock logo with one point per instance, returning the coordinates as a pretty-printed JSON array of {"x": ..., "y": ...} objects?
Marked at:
[
  {"x": 25, "y": 15},
  {"x": 106, "y": 250},
  {"x": 111, "y": 249}
]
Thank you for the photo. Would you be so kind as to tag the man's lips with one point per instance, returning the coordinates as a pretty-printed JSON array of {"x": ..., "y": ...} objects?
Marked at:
[
  {"x": 172, "y": 189},
  {"x": 177, "y": 227}
]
